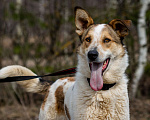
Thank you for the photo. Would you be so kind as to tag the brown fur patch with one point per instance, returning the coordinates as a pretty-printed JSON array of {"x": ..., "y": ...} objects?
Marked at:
[
  {"x": 72, "y": 79},
  {"x": 67, "y": 112},
  {"x": 88, "y": 34},
  {"x": 122, "y": 53},
  {"x": 109, "y": 33},
  {"x": 121, "y": 26},
  {"x": 44, "y": 87},
  {"x": 63, "y": 78},
  {"x": 59, "y": 99},
  {"x": 45, "y": 99},
  {"x": 65, "y": 83}
]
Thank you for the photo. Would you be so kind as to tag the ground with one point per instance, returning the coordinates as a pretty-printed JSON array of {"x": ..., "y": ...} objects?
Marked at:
[{"x": 139, "y": 110}]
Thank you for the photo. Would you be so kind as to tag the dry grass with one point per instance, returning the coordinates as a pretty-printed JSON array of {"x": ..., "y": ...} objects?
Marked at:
[
  {"x": 18, "y": 112},
  {"x": 139, "y": 110}
]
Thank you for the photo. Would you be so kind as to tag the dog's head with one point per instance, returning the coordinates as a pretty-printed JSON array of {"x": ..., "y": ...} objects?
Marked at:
[{"x": 102, "y": 55}]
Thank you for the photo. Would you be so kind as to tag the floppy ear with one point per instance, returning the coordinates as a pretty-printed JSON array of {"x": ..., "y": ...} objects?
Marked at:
[
  {"x": 82, "y": 20},
  {"x": 121, "y": 27}
]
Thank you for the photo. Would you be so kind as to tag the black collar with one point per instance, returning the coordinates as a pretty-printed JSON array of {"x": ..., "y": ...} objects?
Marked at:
[{"x": 105, "y": 86}]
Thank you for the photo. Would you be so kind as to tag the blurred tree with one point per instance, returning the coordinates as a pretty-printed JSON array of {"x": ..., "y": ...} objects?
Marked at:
[
  {"x": 54, "y": 25},
  {"x": 18, "y": 26},
  {"x": 42, "y": 8},
  {"x": 143, "y": 46}
]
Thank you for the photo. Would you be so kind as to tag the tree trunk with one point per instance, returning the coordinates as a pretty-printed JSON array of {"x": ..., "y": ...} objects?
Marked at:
[
  {"x": 42, "y": 9},
  {"x": 18, "y": 26},
  {"x": 143, "y": 47}
]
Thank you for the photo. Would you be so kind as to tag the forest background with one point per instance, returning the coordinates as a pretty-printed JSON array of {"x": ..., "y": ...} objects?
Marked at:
[{"x": 40, "y": 35}]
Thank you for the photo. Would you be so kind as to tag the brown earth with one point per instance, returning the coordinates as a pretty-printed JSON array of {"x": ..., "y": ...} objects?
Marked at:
[{"x": 139, "y": 110}]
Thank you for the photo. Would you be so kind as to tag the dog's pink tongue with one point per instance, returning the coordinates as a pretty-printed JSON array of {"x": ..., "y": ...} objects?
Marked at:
[{"x": 96, "y": 80}]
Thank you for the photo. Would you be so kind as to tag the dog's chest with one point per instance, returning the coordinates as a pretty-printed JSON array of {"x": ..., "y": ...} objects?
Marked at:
[
  {"x": 103, "y": 108},
  {"x": 99, "y": 108}
]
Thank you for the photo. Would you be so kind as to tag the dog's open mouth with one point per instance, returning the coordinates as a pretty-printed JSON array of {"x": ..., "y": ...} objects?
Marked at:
[{"x": 97, "y": 71}]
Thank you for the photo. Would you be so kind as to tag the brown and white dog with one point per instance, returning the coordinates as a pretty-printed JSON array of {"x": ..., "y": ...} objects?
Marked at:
[{"x": 99, "y": 89}]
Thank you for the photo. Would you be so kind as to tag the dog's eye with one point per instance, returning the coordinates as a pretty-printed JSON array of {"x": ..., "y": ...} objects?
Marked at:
[
  {"x": 88, "y": 39},
  {"x": 106, "y": 40}
]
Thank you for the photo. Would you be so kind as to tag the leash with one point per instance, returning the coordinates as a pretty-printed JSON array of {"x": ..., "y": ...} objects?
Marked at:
[{"x": 21, "y": 78}]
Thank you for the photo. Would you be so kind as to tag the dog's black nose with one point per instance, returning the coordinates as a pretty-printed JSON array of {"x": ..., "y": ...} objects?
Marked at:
[{"x": 92, "y": 55}]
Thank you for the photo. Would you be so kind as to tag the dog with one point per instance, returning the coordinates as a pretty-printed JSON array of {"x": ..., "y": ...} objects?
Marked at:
[{"x": 99, "y": 89}]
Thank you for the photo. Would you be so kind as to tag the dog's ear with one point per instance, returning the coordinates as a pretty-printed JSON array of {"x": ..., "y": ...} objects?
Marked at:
[
  {"x": 121, "y": 27},
  {"x": 82, "y": 20}
]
